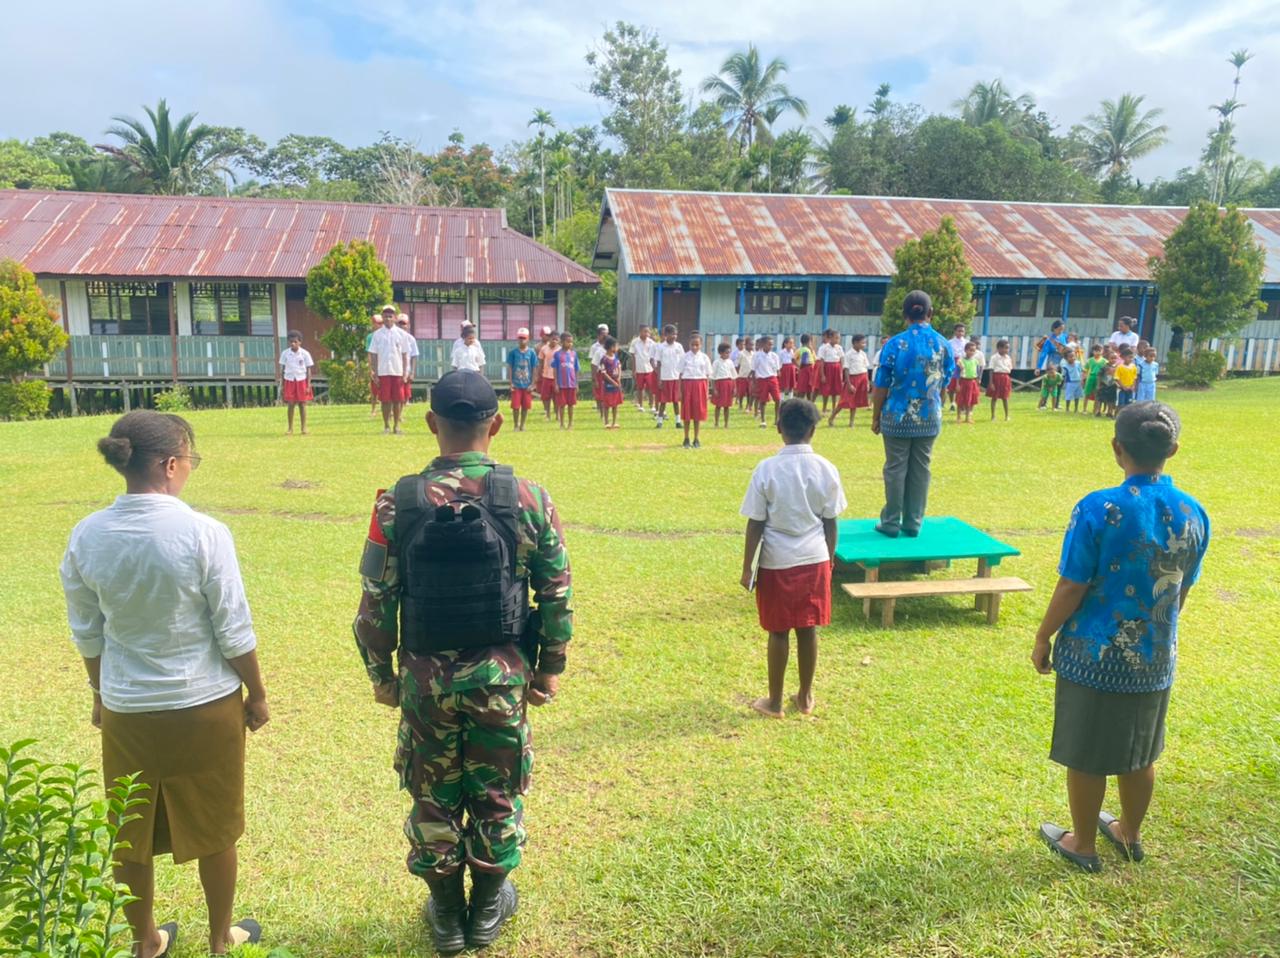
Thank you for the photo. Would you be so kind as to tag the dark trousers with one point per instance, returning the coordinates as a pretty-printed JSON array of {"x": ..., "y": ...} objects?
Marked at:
[{"x": 906, "y": 481}]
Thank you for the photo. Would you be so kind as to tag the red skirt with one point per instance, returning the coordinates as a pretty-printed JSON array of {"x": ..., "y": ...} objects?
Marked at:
[
  {"x": 644, "y": 382},
  {"x": 597, "y": 385},
  {"x": 546, "y": 387},
  {"x": 1001, "y": 386},
  {"x": 669, "y": 390},
  {"x": 804, "y": 380},
  {"x": 742, "y": 387},
  {"x": 693, "y": 400},
  {"x": 967, "y": 393},
  {"x": 723, "y": 393},
  {"x": 832, "y": 379},
  {"x": 391, "y": 389},
  {"x": 297, "y": 390},
  {"x": 767, "y": 389},
  {"x": 955, "y": 379},
  {"x": 521, "y": 398},
  {"x": 787, "y": 377},
  {"x": 795, "y": 598},
  {"x": 611, "y": 398},
  {"x": 855, "y": 393},
  {"x": 567, "y": 396}
]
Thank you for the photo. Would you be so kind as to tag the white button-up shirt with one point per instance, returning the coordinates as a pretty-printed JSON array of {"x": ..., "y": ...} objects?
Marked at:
[
  {"x": 695, "y": 365},
  {"x": 642, "y": 353},
  {"x": 1001, "y": 364},
  {"x": 744, "y": 362},
  {"x": 668, "y": 357},
  {"x": 830, "y": 353},
  {"x": 596, "y": 353},
  {"x": 1124, "y": 339},
  {"x": 765, "y": 365},
  {"x": 392, "y": 350},
  {"x": 295, "y": 363},
  {"x": 468, "y": 357},
  {"x": 855, "y": 361},
  {"x": 153, "y": 587},
  {"x": 724, "y": 369},
  {"x": 791, "y": 493}
]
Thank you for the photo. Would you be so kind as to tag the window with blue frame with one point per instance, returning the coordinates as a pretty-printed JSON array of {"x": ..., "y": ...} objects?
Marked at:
[
  {"x": 1087, "y": 302},
  {"x": 1012, "y": 301},
  {"x": 128, "y": 309},
  {"x": 232, "y": 309},
  {"x": 854, "y": 299},
  {"x": 1271, "y": 301},
  {"x": 778, "y": 299}
]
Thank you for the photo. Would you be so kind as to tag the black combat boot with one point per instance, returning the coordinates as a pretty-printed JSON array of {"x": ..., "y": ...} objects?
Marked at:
[
  {"x": 446, "y": 912},
  {"x": 493, "y": 901}
]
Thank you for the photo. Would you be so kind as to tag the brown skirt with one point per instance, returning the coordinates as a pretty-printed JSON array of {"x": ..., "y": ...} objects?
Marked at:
[{"x": 193, "y": 761}]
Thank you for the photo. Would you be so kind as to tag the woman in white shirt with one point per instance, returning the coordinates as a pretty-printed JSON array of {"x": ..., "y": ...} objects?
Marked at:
[{"x": 159, "y": 614}]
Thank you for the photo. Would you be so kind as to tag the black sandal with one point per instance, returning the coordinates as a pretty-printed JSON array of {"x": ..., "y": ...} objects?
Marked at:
[
  {"x": 251, "y": 928},
  {"x": 1054, "y": 834},
  {"x": 170, "y": 928},
  {"x": 1133, "y": 853}
]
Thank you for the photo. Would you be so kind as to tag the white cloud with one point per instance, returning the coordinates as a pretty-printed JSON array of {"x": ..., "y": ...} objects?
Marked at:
[{"x": 422, "y": 69}]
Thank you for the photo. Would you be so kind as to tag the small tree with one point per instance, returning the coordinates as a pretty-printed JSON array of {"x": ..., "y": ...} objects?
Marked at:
[
  {"x": 29, "y": 337},
  {"x": 1210, "y": 273},
  {"x": 936, "y": 264},
  {"x": 347, "y": 287}
]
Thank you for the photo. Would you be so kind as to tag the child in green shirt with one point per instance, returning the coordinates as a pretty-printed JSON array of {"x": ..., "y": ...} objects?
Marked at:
[{"x": 1050, "y": 385}]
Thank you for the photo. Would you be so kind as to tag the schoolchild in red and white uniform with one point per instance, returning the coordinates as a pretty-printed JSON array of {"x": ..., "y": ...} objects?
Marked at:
[
  {"x": 856, "y": 380},
  {"x": 724, "y": 372},
  {"x": 295, "y": 375},
  {"x": 765, "y": 365},
  {"x": 667, "y": 361},
  {"x": 643, "y": 349},
  {"x": 830, "y": 359},
  {"x": 695, "y": 376},
  {"x": 787, "y": 371}
]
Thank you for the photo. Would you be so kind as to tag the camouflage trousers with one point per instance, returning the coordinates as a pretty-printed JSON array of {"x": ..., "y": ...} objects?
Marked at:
[{"x": 465, "y": 758}]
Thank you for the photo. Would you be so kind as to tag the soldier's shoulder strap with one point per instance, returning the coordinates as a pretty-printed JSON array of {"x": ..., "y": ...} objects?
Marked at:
[{"x": 412, "y": 507}]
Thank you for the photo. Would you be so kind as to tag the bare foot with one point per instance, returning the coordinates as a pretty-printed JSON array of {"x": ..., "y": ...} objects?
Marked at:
[
  {"x": 765, "y": 708},
  {"x": 803, "y": 706},
  {"x": 1072, "y": 844}
]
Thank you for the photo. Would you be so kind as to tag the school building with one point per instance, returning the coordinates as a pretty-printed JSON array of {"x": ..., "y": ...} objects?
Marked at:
[
  {"x": 198, "y": 288},
  {"x": 739, "y": 263}
]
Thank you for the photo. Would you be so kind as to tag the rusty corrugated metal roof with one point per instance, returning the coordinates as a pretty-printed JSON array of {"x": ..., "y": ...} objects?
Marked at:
[
  {"x": 744, "y": 235},
  {"x": 173, "y": 237}
]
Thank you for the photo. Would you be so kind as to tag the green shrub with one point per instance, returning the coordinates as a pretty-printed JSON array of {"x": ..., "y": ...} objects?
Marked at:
[
  {"x": 348, "y": 381},
  {"x": 56, "y": 881},
  {"x": 177, "y": 399},
  {"x": 26, "y": 399},
  {"x": 1202, "y": 370}
]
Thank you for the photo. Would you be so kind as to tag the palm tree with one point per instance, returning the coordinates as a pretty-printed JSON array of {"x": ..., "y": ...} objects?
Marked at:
[
  {"x": 879, "y": 107},
  {"x": 746, "y": 94},
  {"x": 1238, "y": 59},
  {"x": 170, "y": 158},
  {"x": 542, "y": 119},
  {"x": 992, "y": 102},
  {"x": 841, "y": 115},
  {"x": 1121, "y": 133}
]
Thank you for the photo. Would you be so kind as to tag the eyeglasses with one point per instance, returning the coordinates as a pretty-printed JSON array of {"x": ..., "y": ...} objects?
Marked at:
[{"x": 194, "y": 457}]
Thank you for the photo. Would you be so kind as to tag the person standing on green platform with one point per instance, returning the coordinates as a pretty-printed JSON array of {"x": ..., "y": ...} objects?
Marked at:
[
  {"x": 906, "y": 410},
  {"x": 451, "y": 557}
]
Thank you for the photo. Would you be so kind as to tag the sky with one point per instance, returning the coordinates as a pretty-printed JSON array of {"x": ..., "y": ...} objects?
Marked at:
[{"x": 423, "y": 69}]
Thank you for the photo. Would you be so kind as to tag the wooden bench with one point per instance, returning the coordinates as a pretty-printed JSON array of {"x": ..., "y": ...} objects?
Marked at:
[{"x": 987, "y": 590}]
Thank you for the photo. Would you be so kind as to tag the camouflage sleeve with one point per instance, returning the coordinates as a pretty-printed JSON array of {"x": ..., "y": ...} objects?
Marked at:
[
  {"x": 376, "y": 626},
  {"x": 552, "y": 583}
]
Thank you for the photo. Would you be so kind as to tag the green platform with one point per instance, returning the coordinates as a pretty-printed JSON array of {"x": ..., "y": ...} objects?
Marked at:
[{"x": 941, "y": 538}]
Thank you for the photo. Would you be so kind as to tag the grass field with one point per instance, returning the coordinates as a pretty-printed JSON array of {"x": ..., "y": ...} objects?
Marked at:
[{"x": 665, "y": 818}]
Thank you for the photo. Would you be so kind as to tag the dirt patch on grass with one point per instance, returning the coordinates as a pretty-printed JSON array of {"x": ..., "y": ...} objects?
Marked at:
[
  {"x": 736, "y": 450},
  {"x": 645, "y": 535},
  {"x": 285, "y": 514},
  {"x": 299, "y": 484},
  {"x": 1254, "y": 533}
]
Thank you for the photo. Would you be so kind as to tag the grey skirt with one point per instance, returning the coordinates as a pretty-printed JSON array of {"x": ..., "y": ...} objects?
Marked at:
[{"x": 1107, "y": 733}]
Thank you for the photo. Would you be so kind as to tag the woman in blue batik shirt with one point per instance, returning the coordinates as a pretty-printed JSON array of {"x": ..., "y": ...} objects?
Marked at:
[{"x": 1130, "y": 555}]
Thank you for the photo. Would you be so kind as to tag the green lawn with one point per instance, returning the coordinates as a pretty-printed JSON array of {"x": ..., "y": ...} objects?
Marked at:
[{"x": 666, "y": 819}]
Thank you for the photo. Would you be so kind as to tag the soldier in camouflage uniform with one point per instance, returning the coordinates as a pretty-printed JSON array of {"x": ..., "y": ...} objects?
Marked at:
[{"x": 464, "y": 751}]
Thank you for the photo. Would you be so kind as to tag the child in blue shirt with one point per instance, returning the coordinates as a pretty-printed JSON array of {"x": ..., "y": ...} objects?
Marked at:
[
  {"x": 1148, "y": 373},
  {"x": 1130, "y": 555}
]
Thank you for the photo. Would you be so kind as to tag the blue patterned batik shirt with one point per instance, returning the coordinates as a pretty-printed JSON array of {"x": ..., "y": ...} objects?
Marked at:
[
  {"x": 1137, "y": 546},
  {"x": 915, "y": 366}
]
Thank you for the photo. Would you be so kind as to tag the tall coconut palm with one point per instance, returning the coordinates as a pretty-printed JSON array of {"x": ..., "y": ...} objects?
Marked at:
[
  {"x": 542, "y": 119},
  {"x": 168, "y": 157},
  {"x": 988, "y": 102},
  {"x": 1119, "y": 134},
  {"x": 746, "y": 94}
]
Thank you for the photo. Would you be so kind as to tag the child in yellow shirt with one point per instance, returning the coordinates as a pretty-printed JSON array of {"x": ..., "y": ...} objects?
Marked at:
[{"x": 1126, "y": 377}]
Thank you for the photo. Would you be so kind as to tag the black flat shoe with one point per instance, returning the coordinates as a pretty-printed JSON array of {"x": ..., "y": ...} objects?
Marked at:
[
  {"x": 911, "y": 533},
  {"x": 1133, "y": 853},
  {"x": 170, "y": 928},
  {"x": 1053, "y": 835},
  {"x": 891, "y": 533}
]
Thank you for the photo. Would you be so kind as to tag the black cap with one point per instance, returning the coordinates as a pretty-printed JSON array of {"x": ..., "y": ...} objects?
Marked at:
[{"x": 464, "y": 396}]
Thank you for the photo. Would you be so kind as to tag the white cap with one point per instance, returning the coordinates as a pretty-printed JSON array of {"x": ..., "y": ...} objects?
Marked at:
[
  {"x": 390, "y": 307},
  {"x": 547, "y": 330},
  {"x": 602, "y": 328},
  {"x": 522, "y": 333}
]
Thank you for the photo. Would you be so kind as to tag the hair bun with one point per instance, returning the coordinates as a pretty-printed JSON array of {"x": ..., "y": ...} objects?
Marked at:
[
  {"x": 1155, "y": 429},
  {"x": 117, "y": 450}
]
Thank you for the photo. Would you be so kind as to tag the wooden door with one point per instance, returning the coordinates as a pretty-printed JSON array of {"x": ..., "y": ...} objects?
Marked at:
[
  {"x": 680, "y": 308},
  {"x": 309, "y": 323}
]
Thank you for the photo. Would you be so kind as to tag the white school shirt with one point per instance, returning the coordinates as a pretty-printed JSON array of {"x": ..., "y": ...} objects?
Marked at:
[
  {"x": 791, "y": 493},
  {"x": 830, "y": 353},
  {"x": 724, "y": 369},
  {"x": 1002, "y": 364},
  {"x": 668, "y": 357},
  {"x": 786, "y": 357},
  {"x": 855, "y": 362},
  {"x": 957, "y": 344},
  {"x": 642, "y": 353},
  {"x": 695, "y": 365},
  {"x": 295, "y": 363},
  {"x": 765, "y": 365},
  {"x": 981, "y": 357},
  {"x": 596, "y": 354},
  {"x": 1123, "y": 339},
  {"x": 745, "y": 358},
  {"x": 153, "y": 587},
  {"x": 410, "y": 343},
  {"x": 468, "y": 357},
  {"x": 391, "y": 350}
]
